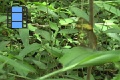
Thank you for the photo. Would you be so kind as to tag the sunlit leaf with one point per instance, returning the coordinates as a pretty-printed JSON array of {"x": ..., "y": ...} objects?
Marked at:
[
  {"x": 66, "y": 21},
  {"x": 31, "y": 28}
]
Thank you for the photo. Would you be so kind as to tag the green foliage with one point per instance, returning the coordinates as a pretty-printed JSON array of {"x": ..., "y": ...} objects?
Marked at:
[{"x": 24, "y": 36}]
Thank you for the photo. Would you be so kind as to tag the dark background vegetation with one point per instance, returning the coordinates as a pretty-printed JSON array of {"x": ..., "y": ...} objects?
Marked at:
[{"x": 53, "y": 48}]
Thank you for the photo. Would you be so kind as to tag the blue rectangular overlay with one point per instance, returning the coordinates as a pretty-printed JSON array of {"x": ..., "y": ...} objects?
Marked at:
[
  {"x": 16, "y": 15},
  {"x": 17, "y": 9},
  {"x": 16, "y": 24}
]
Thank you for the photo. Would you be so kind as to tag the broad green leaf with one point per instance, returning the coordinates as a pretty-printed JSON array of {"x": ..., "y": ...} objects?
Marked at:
[
  {"x": 24, "y": 35},
  {"x": 67, "y": 47},
  {"x": 87, "y": 57},
  {"x": 2, "y": 66},
  {"x": 40, "y": 64},
  {"x": 100, "y": 26},
  {"x": 44, "y": 8},
  {"x": 109, "y": 8},
  {"x": 29, "y": 49},
  {"x": 101, "y": 57},
  {"x": 110, "y": 22},
  {"x": 3, "y": 45},
  {"x": 53, "y": 26},
  {"x": 3, "y": 18},
  {"x": 96, "y": 9},
  {"x": 15, "y": 64},
  {"x": 31, "y": 28},
  {"x": 63, "y": 15},
  {"x": 44, "y": 34},
  {"x": 113, "y": 30},
  {"x": 26, "y": 65},
  {"x": 114, "y": 36},
  {"x": 74, "y": 56},
  {"x": 22, "y": 73},
  {"x": 117, "y": 77},
  {"x": 79, "y": 13},
  {"x": 84, "y": 57},
  {"x": 117, "y": 0},
  {"x": 66, "y": 21}
]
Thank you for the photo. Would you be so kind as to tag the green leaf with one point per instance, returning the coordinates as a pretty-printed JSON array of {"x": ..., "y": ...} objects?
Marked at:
[
  {"x": 1, "y": 67},
  {"x": 109, "y": 8},
  {"x": 101, "y": 57},
  {"x": 110, "y": 22},
  {"x": 26, "y": 65},
  {"x": 74, "y": 56},
  {"x": 53, "y": 26},
  {"x": 117, "y": 65},
  {"x": 31, "y": 28},
  {"x": 114, "y": 36},
  {"x": 40, "y": 64},
  {"x": 117, "y": 77},
  {"x": 24, "y": 35},
  {"x": 84, "y": 57},
  {"x": 100, "y": 27},
  {"x": 113, "y": 30},
  {"x": 44, "y": 34},
  {"x": 66, "y": 21},
  {"x": 79, "y": 13},
  {"x": 63, "y": 15},
  {"x": 87, "y": 57},
  {"x": 29, "y": 49},
  {"x": 3, "y": 18},
  {"x": 118, "y": 0},
  {"x": 44, "y": 8},
  {"x": 15, "y": 64},
  {"x": 3, "y": 45}
]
